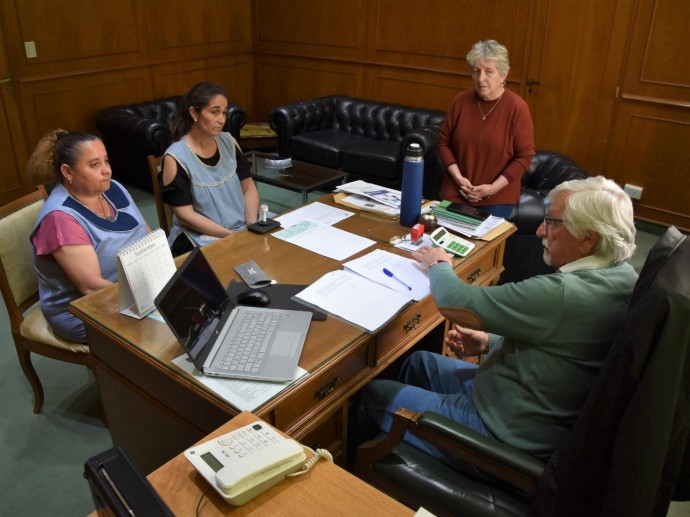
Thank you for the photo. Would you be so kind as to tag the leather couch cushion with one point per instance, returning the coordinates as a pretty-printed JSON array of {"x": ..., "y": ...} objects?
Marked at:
[
  {"x": 322, "y": 147},
  {"x": 375, "y": 158}
]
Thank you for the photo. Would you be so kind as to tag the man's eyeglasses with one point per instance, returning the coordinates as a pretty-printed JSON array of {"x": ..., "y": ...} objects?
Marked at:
[{"x": 550, "y": 221}]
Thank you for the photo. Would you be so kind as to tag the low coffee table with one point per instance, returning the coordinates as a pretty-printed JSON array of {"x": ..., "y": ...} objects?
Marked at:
[{"x": 301, "y": 177}]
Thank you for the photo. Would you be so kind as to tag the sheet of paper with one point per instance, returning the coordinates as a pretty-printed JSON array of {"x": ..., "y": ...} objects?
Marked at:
[
  {"x": 243, "y": 394},
  {"x": 315, "y": 211},
  {"x": 364, "y": 203},
  {"x": 356, "y": 299},
  {"x": 408, "y": 275},
  {"x": 323, "y": 239},
  {"x": 383, "y": 195}
]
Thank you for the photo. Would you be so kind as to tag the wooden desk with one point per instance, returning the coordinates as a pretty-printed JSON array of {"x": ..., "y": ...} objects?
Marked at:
[
  {"x": 154, "y": 410},
  {"x": 326, "y": 490}
]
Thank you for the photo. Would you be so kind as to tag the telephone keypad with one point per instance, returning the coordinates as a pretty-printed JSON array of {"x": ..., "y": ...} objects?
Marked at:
[{"x": 248, "y": 439}]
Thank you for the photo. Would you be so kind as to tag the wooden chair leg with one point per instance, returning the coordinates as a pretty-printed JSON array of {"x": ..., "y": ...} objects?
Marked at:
[{"x": 30, "y": 373}]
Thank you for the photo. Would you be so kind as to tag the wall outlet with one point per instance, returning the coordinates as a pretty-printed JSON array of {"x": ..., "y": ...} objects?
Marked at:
[
  {"x": 633, "y": 191},
  {"x": 30, "y": 48}
]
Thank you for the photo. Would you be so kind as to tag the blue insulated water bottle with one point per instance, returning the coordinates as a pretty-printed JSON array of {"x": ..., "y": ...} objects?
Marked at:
[{"x": 412, "y": 177}]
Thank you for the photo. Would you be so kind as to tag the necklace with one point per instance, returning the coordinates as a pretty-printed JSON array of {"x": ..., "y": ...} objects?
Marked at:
[
  {"x": 484, "y": 115},
  {"x": 101, "y": 214}
]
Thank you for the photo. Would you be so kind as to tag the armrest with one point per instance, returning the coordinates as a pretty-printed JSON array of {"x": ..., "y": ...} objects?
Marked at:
[
  {"x": 235, "y": 121},
  {"x": 530, "y": 211},
  {"x": 463, "y": 317},
  {"x": 303, "y": 117},
  {"x": 426, "y": 137},
  {"x": 496, "y": 458},
  {"x": 150, "y": 135},
  {"x": 492, "y": 456}
]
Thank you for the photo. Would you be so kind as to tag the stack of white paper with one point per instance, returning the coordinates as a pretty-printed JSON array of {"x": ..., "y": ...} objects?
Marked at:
[
  {"x": 376, "y": 193},
  {"x": 370, "y": 291},
  {"x": 356, "y": 299},
  {"x": 395, "y": 272}
]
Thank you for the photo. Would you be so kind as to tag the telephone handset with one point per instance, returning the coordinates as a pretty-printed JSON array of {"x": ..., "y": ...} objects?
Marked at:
[{"x": 243, "y": 463}]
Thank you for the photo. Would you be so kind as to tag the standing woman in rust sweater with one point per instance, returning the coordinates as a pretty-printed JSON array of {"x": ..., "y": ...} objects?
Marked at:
[{"x": 487, "y": 139}]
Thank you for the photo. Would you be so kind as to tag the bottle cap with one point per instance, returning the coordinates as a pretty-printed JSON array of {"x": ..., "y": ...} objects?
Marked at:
[{"x": 414, "y": 150}]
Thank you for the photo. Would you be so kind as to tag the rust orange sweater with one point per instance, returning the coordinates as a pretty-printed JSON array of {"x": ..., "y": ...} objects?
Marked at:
[{"x": 502, "y": 144}]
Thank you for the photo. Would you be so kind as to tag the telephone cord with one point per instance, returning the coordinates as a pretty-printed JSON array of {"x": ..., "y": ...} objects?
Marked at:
[{"x": 317, "y": 455}]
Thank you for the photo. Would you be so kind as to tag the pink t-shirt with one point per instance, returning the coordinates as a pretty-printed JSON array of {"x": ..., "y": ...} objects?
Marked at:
[{"x": 58, "y": 229}]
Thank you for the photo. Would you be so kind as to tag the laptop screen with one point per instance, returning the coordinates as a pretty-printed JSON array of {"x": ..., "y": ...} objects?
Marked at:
[{"x": 192, "y": 304}]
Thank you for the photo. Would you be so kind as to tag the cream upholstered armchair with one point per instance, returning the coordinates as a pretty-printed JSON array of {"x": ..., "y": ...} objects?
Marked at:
[{"x": 30, "y": 330}]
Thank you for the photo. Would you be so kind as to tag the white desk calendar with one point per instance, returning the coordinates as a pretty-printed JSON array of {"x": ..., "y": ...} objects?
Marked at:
[{"x": 143, "y": 269}]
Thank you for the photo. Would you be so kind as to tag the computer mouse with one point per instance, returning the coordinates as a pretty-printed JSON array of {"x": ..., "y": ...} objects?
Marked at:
[{"x": 254, "y": 297}]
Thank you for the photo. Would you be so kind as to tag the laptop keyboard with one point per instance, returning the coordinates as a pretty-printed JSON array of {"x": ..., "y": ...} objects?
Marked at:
[{"x": 248, "y": 344}]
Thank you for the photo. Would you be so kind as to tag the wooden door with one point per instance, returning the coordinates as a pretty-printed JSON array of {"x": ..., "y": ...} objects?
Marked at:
[
  {"x": 650, "y": 144},
  {"x": 574, "y": 64},
  {"x": 13, "y": 178}
]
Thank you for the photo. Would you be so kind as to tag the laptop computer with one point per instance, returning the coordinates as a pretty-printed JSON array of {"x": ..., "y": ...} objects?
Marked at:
[{"x": 212, "y": 329}]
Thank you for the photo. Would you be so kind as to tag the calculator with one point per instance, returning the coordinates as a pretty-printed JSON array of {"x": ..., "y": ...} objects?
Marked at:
[{"x": 451, "y": 243}]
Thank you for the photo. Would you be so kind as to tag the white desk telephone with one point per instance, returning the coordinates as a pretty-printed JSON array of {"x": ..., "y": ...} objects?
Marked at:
[{"x": 243, "y": 463}]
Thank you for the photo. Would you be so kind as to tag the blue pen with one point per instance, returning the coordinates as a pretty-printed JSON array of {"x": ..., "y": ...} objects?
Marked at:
[{"x": 390, "y": 274}]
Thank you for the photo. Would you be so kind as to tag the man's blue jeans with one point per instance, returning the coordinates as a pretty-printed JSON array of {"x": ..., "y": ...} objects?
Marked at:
[{"x": 426, "y": 382}]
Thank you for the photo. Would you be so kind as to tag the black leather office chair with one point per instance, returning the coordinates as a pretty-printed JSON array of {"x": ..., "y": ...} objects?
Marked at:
[{"x": 627, "y": 454}]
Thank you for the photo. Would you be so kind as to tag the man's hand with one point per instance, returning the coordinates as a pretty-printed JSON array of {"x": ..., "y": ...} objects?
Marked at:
[{"x": 466, "y": 342}]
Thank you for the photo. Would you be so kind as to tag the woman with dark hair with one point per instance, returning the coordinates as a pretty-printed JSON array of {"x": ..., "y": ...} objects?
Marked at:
[
  {"x": 205, "y": 178},
  {"x": 85, "y": 221}
]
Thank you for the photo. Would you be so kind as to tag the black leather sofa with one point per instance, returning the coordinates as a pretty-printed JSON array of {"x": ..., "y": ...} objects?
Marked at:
[
  {"x": 131, "y": 133},
  {"x": 366, "y": 138}
]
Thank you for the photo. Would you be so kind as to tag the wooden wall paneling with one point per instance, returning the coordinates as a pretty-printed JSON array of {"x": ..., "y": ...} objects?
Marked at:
[
  {"x": 286, "y": 80},
  {"x": 331, "y": 29},
  {"x": 73, "y": 36},
  {"x": 13, "y": 178},
  {"x": 71, "y": 102},
  {"x": 437, "y": 34},
  {"x": 180, "y": 29},
  {"x": 424, "y": 89},
  {"x": 231, "y": 72},
  {"x": 658, "y": 69},
  {"x": 572, "y": 108},
  {"x": 650, "y": 149}
]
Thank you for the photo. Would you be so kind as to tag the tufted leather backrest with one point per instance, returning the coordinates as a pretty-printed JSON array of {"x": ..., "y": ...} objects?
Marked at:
[
  {"x": 368, "y": 118},
  {"x": 550, "y": 168},
  {"x": 151, "y": 121},
  {"x": 380, "y": 121},
  {"x": 163, "y": 110},
  {"x": 134, "y": 131}
]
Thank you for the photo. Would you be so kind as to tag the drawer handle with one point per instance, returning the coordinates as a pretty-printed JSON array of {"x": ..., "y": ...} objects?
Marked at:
[
  {"x": 472, "y": 277},
  {"x": 327, "y": 388},
  {"x": 413, "y": 323}
]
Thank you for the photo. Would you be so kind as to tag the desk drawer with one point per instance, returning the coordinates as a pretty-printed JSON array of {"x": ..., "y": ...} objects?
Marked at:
[
  {"x": 410, "y": 326},
  {"x": 321, "y": 386},
  {"x": 483, "y": 271}
]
